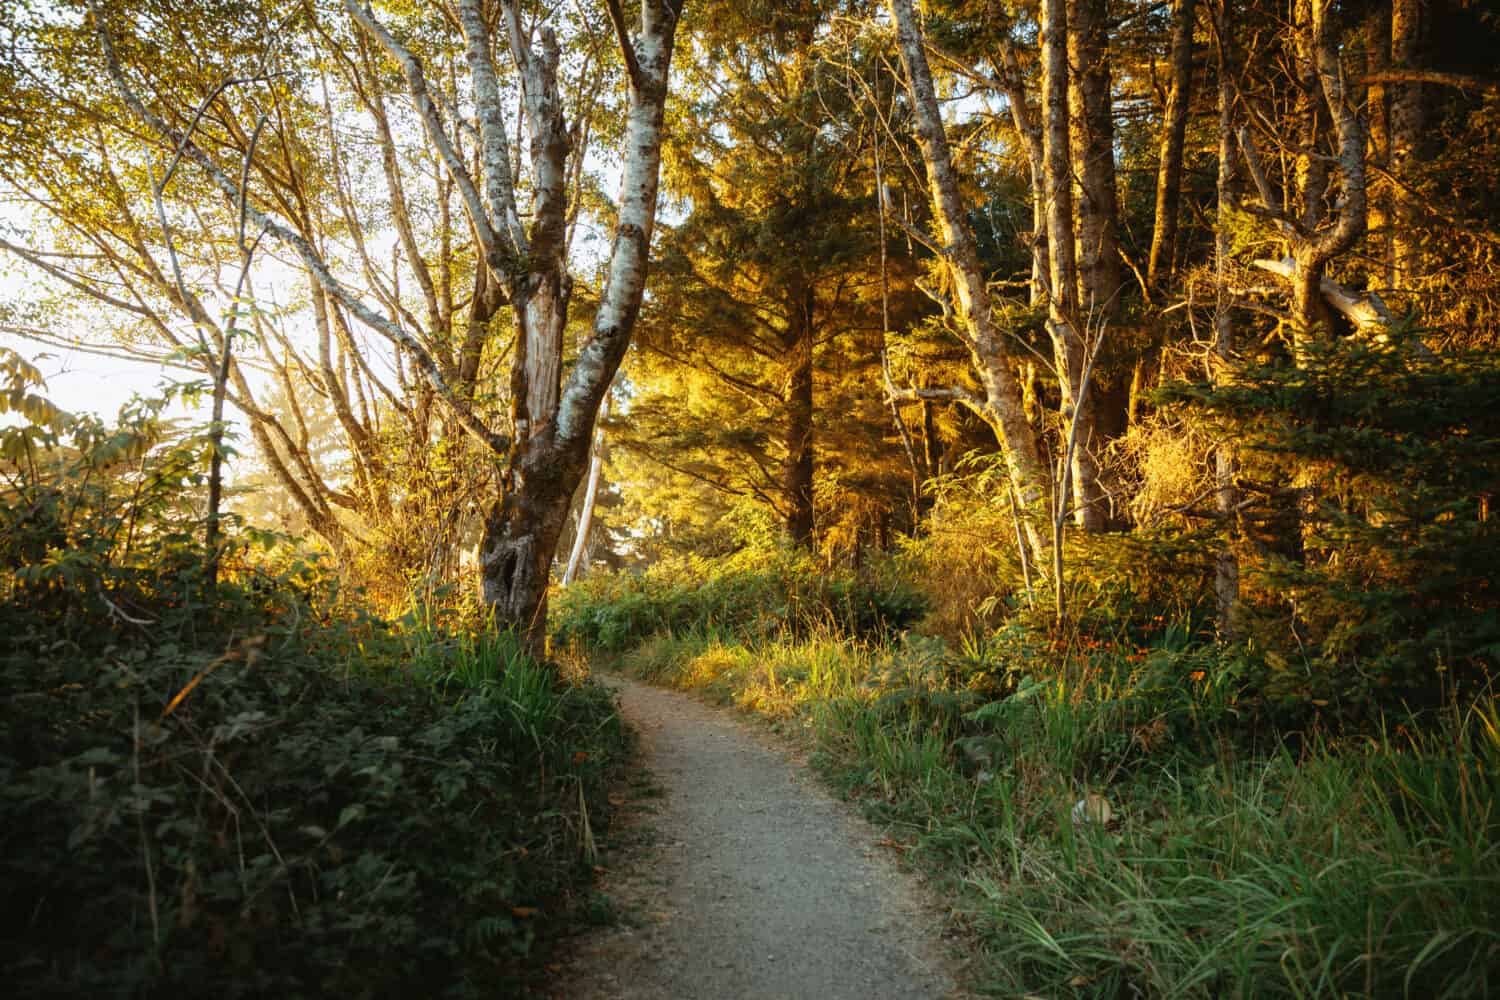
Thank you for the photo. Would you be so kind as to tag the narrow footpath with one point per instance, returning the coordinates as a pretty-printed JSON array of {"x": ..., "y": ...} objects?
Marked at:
[{"x": 751, "y": 881}]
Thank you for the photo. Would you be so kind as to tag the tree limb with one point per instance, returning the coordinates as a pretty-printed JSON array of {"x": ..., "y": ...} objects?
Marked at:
[
  {"x": 622, "y": 35},
  {"x": 1462, "y": 81},
  {"x": 315, "y": 263}
]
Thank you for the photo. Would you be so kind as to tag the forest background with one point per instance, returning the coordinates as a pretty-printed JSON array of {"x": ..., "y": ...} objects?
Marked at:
[{"x": 1075, "y": 401}]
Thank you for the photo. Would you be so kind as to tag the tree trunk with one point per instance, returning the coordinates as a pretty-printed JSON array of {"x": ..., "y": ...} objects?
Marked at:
[
  {"x": 1311, "y": 168},
  {"x": 1029, "y": 132},
  {"x": 797, "y": 464},
  {"x": 991, "y": 358},
  {"x": 1160, "y": 264},
  {"x": 1092, "y": 147},
  {"x": 1226, "y": 466},
  {"x": 520, "y": 538},
  {"x": 1063, "y": 314},
  {"x": 1314, "y": 235},
  {"x": 1407, "y": 50},
  {"x": 541, "y": 321},
  {"x": 1377, "y": 113},
  {"x": 590, "y": 498},
  {"x": 547, "y": 463}
]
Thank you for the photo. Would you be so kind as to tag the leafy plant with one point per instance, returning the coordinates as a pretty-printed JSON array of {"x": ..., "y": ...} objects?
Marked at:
[{"x": 256, "y": 788}]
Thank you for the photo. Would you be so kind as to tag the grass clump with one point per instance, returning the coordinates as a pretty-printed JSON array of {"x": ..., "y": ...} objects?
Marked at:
[{"x": 756, "y": 592}]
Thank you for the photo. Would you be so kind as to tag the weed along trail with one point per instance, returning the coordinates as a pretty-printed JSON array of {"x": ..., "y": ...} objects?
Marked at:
[{"x": 753, "y": 882}]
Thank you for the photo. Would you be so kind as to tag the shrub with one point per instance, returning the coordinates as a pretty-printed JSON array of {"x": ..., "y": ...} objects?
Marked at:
[
  {"x": 1368, "y": 472},
  {"x": 257, "y": 789},
  {"x": 757, "y": 593}
]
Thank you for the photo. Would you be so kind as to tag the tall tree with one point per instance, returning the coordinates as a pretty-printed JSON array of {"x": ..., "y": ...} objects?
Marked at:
[
  {"x": 767, "y": 286},
  {"x": 544, "y": 450},
  {"x": 1001, "y": 404}
]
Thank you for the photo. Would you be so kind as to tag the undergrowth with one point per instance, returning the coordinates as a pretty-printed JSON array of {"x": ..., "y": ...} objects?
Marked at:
[
  {"x": 256, "y": 788},
  {"x": 1228, "y": 857},
  {"x": 757, "y": 592}
]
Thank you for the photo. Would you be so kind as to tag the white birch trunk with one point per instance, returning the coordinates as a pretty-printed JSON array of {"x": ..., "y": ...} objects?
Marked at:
[
  {"x": 991, "y": 357},
  {"x": 590, "y": 497}
]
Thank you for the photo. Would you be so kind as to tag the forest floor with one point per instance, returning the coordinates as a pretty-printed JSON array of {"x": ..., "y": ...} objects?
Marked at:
[{"x": 736, "y": 875}]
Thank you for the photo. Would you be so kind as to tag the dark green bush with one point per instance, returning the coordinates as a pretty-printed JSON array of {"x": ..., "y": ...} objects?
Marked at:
[
  {"x": 285, "y": 830},
  {"x": 1369, "y": 550},
  {"x": 256, "y": 789}
]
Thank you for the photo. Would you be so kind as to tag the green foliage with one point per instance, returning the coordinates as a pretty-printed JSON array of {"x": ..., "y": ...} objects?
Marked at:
[
  {"x": 757, "y": 593},
  {"x": 260, "y": 790},
  {"x": 1370, "y": 468},
  {"x": 1352, "y": 868},
  {"x": 1234, "y": 861}
]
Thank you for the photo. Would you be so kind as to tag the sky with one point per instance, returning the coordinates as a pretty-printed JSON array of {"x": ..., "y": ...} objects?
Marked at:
[{"x": 77, "y": 381}]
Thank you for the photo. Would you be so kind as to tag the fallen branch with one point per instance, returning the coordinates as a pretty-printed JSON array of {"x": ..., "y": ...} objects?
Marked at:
[{"x": 1365, "y": 310}]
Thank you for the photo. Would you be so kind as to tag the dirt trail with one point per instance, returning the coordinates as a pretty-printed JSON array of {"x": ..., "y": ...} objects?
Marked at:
[{"x": 755, "y": 883}]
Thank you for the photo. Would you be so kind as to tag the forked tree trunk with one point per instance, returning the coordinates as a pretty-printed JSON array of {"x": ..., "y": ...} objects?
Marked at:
[
  {"x": 552, "y": 424},
  {"x": 1315, "y": 235},
  {"x": 1001, "y": 404},
  {"x": 551, "y": 449}
]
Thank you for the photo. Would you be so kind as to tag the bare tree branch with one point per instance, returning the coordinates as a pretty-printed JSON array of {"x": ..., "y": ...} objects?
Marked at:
[
  {"x": 622, "y": 35},
  {"x": 314, "y": 262}
]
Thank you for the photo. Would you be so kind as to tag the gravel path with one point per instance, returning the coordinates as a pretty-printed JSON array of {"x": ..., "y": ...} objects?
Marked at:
[{"x": 755, "y": 882}]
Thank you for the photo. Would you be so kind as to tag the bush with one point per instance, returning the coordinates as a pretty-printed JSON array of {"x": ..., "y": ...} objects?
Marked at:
[
  {"x": 1369, "y": 472},
  {"x": 281, "y": 829},
  {"x": 256, "y": 789},
  {"x": 757, "y": 593}
]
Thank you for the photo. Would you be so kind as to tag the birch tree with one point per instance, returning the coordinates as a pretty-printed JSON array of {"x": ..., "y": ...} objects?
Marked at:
[
  {"x": 543, "y": 448},
  {"x": 1001, "y": 404}
]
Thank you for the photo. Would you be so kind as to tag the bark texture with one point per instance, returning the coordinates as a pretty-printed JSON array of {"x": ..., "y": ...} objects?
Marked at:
[
  {"x": 1092, "y": 147},
  {"x": 1221, "y": 359},
  {"x": 1406, "y": 119},
  {"x": 1174, "y": 131}
]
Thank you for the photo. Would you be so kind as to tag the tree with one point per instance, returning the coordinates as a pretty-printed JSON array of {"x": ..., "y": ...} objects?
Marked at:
[
  {"x": 756, "y": 385},
  {"x": 1001, "y": 404},
  {"x": 1315, "y": 234},
  {"x": 544, "y": 449}
]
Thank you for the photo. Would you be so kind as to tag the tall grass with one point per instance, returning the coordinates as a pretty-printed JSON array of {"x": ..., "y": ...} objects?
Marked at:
[
  {"x": 757, "y": 592},
  {"x": 1234, "y": 864}
]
